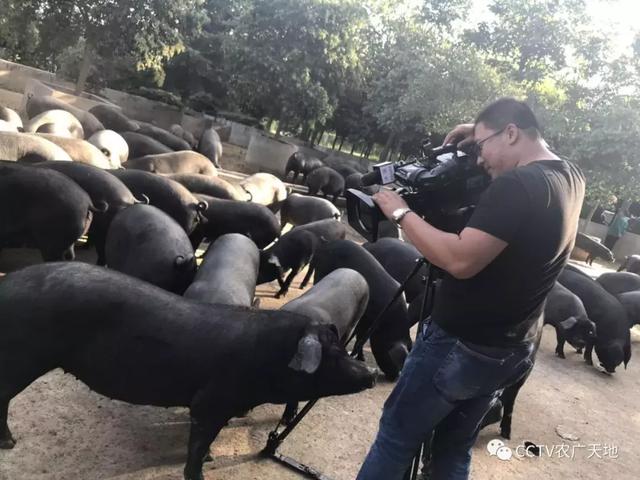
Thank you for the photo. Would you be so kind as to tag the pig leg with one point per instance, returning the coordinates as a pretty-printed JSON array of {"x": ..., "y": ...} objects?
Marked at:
[
  {"x": 587, "y": 354},
  {"x": 210, "y": 411},
  {"x": 307, "y": 277},
  {"x": 196, "y": 237},
  {"x": 335, "y": 198},
  {"x": 508, "y": 399},
  {"x": 69, "y": 254},
  {"x": 55, "y": 255},
  {"x": 23, "y": 372},
  {"x": 100, "y": 251},
  {"x": 6, "y": 439},
  {"x": 203, "y": 432},
  {"x": 284, "y": 288},
  {"x": 560, "y": 345},
  {"x": 624, "y": 265}
]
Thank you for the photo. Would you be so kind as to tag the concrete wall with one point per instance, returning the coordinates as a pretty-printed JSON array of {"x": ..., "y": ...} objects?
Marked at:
[
  {"x": 140, "y": 108},
  {"x": 14, "y": 76},
  {"x": 36, "y": 88},
  {"x": 241, "y": 134},
  {"x": 10, "y": 99},
  {"x": 266, "y": 154}
]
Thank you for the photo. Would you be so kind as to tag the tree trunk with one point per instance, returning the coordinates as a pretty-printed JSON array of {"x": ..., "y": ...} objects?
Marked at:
[
  {"x": 318, "y": 137},
  {"x": 341, "y": 143},
  {"x": 368, "y": 149},
  {"x": 585, "y": 221},
  {"x": 388, "y": 147},
  {"x": 87, "y": 56},
  {"x": 306, "y": 133},
  {"x": 353, "y": 147},
  {"x": 335, "y": 139},
  {"x": 312, "y": 138}
]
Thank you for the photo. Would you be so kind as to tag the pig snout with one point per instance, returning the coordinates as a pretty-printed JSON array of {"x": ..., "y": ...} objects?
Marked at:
[
  {"x": 360, "y": 375},
  {"x": 373, "y": 372},
  {"x": 609, "y": 368}
]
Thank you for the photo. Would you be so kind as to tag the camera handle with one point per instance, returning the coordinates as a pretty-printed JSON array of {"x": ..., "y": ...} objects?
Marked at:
[{"x": 276, "y": 438}]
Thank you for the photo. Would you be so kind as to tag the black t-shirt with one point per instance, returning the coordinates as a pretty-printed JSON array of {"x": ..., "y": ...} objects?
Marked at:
[{"x": 535, "y": 209}]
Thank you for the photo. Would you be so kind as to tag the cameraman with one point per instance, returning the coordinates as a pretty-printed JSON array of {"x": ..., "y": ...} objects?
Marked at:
[{"x": 488, "y": 309}]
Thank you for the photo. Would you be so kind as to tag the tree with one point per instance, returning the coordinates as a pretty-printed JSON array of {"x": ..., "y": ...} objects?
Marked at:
[
  {"x": 529, "y": 40},
  {"x": 289, "y": 58},
  {"x": 428, "y": 84},
  {"x": 148, "y": 31}
]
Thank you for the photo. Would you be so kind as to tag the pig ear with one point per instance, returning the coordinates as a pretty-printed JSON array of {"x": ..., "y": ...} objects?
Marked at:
[
  {"x": 627, "y": 353},
  {"x": 307, "y": 358},
  {"x": 569, "y": 323},
  {"x": 274, "y": 261}
]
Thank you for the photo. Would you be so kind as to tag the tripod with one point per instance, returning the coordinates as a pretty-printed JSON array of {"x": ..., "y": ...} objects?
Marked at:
[{"x": 276, "y": 438}]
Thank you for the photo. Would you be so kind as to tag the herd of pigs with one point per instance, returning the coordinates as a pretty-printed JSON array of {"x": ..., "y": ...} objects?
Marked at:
[{"x": 159, "y": 326}]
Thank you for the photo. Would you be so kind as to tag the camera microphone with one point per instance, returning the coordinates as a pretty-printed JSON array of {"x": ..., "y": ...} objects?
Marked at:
[
  {"x": 383, "y": 174},
  {"x": 371, "y": 178}
]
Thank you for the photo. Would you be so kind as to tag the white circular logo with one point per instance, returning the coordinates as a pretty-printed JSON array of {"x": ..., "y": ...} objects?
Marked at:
[
  {"x": 494, "y": 445},
  {"x": 504, "y": 453}
]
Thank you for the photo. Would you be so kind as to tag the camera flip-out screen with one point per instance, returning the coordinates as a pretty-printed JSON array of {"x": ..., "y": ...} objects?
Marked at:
[{"x": 386, "y": 171}]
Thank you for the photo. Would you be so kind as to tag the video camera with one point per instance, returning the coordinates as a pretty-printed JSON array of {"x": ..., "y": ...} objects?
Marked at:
[{"x": 442, "y": 185}]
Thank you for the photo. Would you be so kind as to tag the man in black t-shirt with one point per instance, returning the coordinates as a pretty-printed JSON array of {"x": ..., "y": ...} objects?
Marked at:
[{"x": 488, "y": 310}]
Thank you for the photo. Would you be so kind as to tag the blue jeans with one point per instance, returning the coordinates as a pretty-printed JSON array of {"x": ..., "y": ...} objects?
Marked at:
[{"x": 446, "y": 387}]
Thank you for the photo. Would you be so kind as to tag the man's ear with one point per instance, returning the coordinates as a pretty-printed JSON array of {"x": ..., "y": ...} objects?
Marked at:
[
  {"x": 309, "y": 355},
  {"x": 513, "y": 133}
]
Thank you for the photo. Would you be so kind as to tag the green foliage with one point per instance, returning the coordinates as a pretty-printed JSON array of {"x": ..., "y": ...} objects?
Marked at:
[
  {"x": 528, "y": 39},
  {"x": 146, "y": 32}
]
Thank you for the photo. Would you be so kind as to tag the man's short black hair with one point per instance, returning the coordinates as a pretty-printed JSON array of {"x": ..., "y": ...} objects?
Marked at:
[{"x": 504, "y": 111}]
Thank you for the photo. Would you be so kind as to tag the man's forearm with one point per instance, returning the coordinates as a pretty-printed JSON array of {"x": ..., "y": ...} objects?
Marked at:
[{"x": 440, "y": 248}]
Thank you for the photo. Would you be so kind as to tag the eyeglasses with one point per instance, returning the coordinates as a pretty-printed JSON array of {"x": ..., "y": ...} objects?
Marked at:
[{"x": 476, "y": 148}]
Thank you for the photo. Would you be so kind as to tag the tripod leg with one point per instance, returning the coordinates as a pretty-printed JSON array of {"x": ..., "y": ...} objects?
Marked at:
[{"x": 290, "y": 411}]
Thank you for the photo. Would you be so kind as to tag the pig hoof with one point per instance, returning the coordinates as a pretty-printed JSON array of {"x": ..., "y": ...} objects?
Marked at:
[
  {"x": 560, "y": 354},
  {"x": 7, "y": 443},
  {"x": 588, "y": 362},
  {"x": 208, "y": 457},
  {"x": 193, "y": 476}
]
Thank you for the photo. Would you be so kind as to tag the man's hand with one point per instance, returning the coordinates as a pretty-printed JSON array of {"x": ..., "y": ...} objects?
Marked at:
[
  {"x": 389, "y": 201},
  {"x": 463, "y": 134}
]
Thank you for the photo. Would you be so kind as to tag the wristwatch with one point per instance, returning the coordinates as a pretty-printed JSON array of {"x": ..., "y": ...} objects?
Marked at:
[{"x": 398, "y": 214}]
